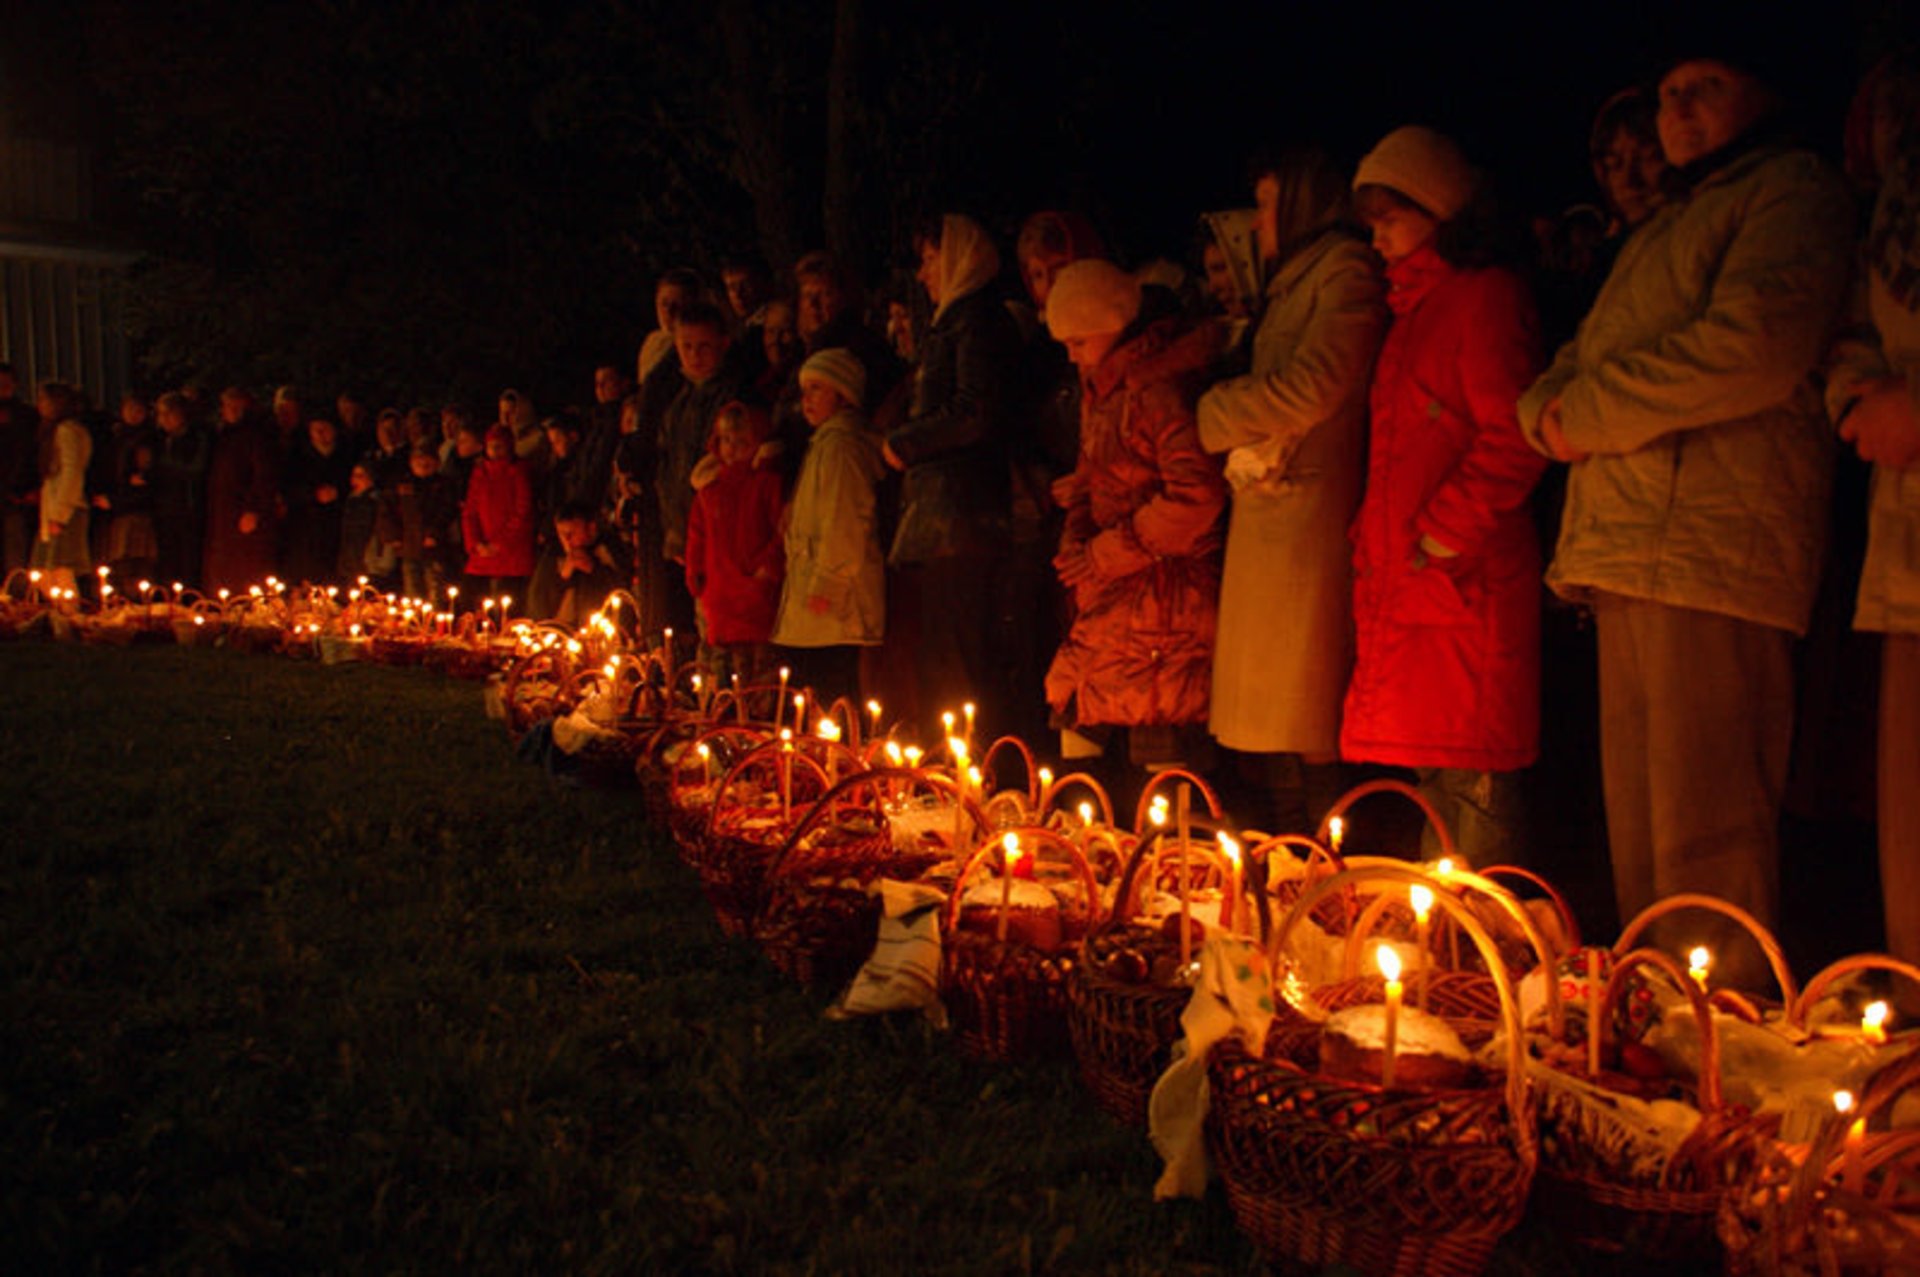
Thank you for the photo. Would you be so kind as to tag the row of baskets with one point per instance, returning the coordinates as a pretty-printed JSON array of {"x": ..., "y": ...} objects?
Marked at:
[{"x": 1567, "y": 1114}]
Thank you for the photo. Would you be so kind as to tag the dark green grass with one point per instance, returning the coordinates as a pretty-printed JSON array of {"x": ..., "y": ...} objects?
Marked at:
[{"x": 302, "y": 972}]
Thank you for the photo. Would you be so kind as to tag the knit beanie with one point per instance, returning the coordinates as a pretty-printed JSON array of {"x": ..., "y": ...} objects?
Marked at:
[
  {"x": 1090, "y": 297},
  {"x": 839, "y": 368},
  {"x": 1423, "y": 165}
]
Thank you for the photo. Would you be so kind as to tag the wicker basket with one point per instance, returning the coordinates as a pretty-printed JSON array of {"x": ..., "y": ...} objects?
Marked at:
[
  {"x": 746, "y": 826},
  {"x": 1122, "y": 1020},
  {"x": 1847, "y": 1204},
  {"x": 1323, "y": 1170},
  {"x": 1665, "y": 1210},
  {"x": 693, "y": 780},
  {"x": 820, "y": 916},
  {"x": 539, "y": 686},
  {"x": 1008, "y": 996}
]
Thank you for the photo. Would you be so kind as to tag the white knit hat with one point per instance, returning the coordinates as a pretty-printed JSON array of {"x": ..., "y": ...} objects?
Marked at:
[
  {"x": 839, "y": 368},
  {"x": 1091, "y": 297},
  {"x": 1425, "y": 166}
]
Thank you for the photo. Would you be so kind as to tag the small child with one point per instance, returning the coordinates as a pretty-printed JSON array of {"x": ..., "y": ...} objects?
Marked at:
[
  {"x": 734, "y": 554},
  {"x": 834, "y": 601},
  {"x": 363, "y": 551},
  {"x": 422, "y": 508}
]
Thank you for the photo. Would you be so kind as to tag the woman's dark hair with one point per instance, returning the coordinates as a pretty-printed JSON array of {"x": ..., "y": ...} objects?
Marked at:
[
  {"x": 702, "y": 314},
  {"x": 577, "y": 511},
  {"x": 1631, "y": 111},
  {"x": 683, "y": 278}
]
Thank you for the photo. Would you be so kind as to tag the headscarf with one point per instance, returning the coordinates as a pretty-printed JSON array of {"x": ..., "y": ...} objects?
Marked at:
[{"x": 968, "y": 260}]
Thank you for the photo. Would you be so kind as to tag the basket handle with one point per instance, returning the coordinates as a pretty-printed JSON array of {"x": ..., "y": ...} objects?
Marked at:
[
  {"x": 1516, "y": 1051},
  {"x": 1087, "y": 779},
  {"x": 753, "y": 756},
  {"x": 711, "y": 737},
  {"x": 1769, "y": 946},
  {"x": 1261, "y": 853},
  {"x": 1710, "y": 1097},
  {"x": 843, "y": 709},
  {"x": 878, "y": 778},
  {"x": 996, "y": 851},
  {"x": 1341, "y": 805},
  {"x": 1560, "y": 906},
  {"x": 1147, "y": 851},
  {"x": 1019, "y": 747},
  {"x": 1167, "y": 777},
  {"x": 1461, "y": 880},
  {"x": 1798, "y": 1010}
]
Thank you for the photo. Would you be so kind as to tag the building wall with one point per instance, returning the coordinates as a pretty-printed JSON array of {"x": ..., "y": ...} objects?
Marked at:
[{"x": 61, "y": 286}]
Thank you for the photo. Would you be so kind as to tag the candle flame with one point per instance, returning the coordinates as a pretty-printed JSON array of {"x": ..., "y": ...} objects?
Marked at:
[
  {"x": 958, "y": 748},
  {"x": 1011, "y": 845},
  {"x": 1874, "y": 1016},
  {"x": 873, "y": 708},
  {"x": 1046, "y": 777},
  {"x": 946, "y": 720},
  {"x": 1086, "y": 814},
  {"x": 1843, "y": 1101},
  {"x": 1422, "y": 897},
  {"x": 1389, "y": 961},
  {"x": 702, "y": 750},
  {"x": 1445, "y": 866},
  {"x": 893, "y": 753},
  {"x": 973, "y": 777},
  {"x": 1229, "y": 846},
  {"x": 914, "y": 755},
  {"x": 828, "y": 730},
  {"x": 1699, "y": 958},
  {"x": 1158, "y": 815}
]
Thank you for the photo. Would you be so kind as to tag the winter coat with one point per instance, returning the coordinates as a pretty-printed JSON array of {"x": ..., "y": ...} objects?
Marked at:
[
  {"x": 1286, "y": 597},
  {"x": 1691, "y": 384},
  {"x": 735, "y": 555},
  {"x": 1447, "y": 648},
  {"x": 685, "y": 430},
  {"x": 833, "y": 541},
  {"x": 1884, "y": 342},
  {"x": 1145, "y": 503},
  {"x": 498, "y": 513},
  {"x": 364, "y": 538},
  {"x": 63, "y": 470},
  {"x": 313, "y": 526},
  {"x": 242, "y": 478},
  {"x": 955, "y": 496}
]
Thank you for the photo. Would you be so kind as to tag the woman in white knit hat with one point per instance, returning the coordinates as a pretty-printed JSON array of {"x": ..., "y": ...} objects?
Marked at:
[{"x": 1446, "y": 564}]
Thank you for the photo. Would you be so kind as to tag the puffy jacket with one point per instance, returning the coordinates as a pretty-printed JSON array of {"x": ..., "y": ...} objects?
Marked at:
[
  {"x": 1885, "y": 341},
  {"x": 1286, "y": 598},
  {"x": 953, "y": 442},
  {"x": 685, "y": 432},
  {"x": 1691, "y": 384},
  {"x": 1145, "y": 502},
  {"x": 1447, "y": 648},
  {"x": 498, "y": 512},
  {"x": 734, "y": 553},
  {"x": 833, "y": 541}
]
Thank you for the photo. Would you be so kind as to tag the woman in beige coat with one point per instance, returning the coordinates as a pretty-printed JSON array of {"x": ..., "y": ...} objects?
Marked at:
[{"x": 1294, "y": 431}]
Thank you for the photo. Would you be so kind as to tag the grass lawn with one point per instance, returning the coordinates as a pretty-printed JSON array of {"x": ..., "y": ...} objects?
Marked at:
[{"x": 301, "y": 971}]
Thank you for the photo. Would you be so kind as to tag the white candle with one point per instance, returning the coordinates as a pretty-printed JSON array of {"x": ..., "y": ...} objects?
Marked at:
[
  {"x": 780, "y": 702},
  {"x": 1336, "y": 833},
  {"x": 1009, "y": 854},
  {"x": 1594, "y": 991},
  {"x": 1421, "y": 896},
  {"x": 1390, "y": 968},
  {"x": 1853, "y": 1171},
  {"x": 1231, "y": 849},
  {"x": 1186, "y": 906},
  {"x": 786, "y": 775}
]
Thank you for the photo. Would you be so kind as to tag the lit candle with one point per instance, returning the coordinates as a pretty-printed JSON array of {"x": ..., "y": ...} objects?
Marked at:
[
  {"x": 1186, "y": 888},
  {"x": 786, "y": 774},
  {"x": 706, "y": 762},
  {"x": 739, "y": 704},
  {"x": 873, "y": 711},
  {"x": 1422, "y": 897},
  {"x": 1873, "y": 1022},
  {"x": 666, "y": 657},
  {"x": 1086, "y": 826},
  {"x": 1853, "y": 1171},
  {"x": 1231, "y": 850},
  {"x": 958, "y": 749},
  {"x": 1009, "y": 853},
  {"x": 1390, "y": 968},
  {"x": 799, "y": 710},
  {"x": 967, "y": 709},
  {"x": 1046, "y": 785},
  {"x": 828, "y": 730},
  {"x": 780, "y": 702},
  {"x": 1336, "y": 833},
  {"x": 1594, "y": 991},
  {"x": 1698, "y": 960}
]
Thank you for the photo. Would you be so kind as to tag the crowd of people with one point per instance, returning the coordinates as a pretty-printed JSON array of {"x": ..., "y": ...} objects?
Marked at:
[{"x": 1295, "y": 513}]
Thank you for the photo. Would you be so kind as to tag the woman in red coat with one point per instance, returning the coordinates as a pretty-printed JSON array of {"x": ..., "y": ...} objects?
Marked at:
[
  {"x": 496, "y": 522},
  {"x": 1141, "y": 547},
  {"x": 1446, "y": 564}
]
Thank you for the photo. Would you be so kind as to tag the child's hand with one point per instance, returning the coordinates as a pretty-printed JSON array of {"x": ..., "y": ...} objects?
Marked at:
[
  {"x": 430, "y": 542},
  {"x": 249, "y": 523},
  {"x": 101, "y": 503},
  {"x": 137, "y": 479},
  {"x": 819, "y": 604},
  {"x": 326, "y": 494}
]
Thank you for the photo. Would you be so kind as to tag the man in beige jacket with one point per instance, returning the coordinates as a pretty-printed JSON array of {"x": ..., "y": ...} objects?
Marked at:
[{"x": 1689, "y": 408}]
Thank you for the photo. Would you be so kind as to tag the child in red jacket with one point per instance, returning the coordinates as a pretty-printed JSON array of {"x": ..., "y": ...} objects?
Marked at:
[{"x": 736, "y": 549}]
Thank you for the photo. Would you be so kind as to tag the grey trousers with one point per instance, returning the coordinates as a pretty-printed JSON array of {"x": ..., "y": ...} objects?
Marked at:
[{"x": 1696, "y": 723}]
